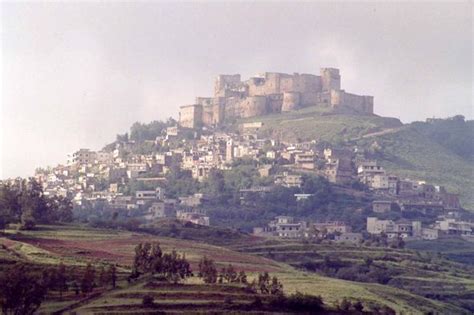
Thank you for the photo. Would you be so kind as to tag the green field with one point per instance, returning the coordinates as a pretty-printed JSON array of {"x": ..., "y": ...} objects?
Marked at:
[{"x": 77, "y": 245}]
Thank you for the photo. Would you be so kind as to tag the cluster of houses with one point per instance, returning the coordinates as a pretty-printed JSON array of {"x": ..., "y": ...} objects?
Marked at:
[
  {"x": 287, "y": 227},
  {"x": 446, "y": 226},
  {"x": 105, "y": 176}
]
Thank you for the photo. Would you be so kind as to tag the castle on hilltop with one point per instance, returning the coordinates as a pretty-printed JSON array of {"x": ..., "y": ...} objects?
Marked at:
[{"x": 272, "y": 93}]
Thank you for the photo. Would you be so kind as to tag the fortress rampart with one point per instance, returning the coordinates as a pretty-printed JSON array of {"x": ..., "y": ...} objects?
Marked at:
[{"x": 272, "y": 93}]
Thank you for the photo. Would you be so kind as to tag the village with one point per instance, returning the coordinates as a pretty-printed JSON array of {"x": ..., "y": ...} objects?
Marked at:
[
  {"x": 130, "y": 176},
  {"x": 93, "y": 177}
]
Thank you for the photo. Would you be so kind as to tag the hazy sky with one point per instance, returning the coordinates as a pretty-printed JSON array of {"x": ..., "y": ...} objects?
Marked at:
[{"x": 76, "y": 74}]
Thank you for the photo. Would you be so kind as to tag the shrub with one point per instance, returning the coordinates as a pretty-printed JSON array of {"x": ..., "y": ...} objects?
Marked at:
[
  {"x": 297, "y": 302},
  {"x": 345, "y": 305},
  {"x": 228, "y": 300},
  {"x": 148, "y": 301}
]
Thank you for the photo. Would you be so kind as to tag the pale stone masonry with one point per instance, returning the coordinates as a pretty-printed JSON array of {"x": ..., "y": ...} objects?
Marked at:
[{"x": 272, "y": 93}]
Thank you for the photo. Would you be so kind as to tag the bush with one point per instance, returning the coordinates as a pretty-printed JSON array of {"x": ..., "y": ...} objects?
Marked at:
[
  {"x": 345, "y": 305},
  {"x": 148, "y": 301},
  {"x": 257, "y": 303},
  {"x": 298, "y": 302}
]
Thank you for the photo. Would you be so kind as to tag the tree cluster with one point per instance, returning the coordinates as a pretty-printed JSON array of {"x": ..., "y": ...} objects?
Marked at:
[
  {"x": 363, "y": 272},
  {"x": 25, "y": 203},
  {"x": 150, "y": 259},
  {"x": 269, "y": 285},
  {"x": 208, "y": 272},
  {"x": 298, "y": 302},
  {"x": 21, "y": 290},
  {"x": 230, "y": 275}
]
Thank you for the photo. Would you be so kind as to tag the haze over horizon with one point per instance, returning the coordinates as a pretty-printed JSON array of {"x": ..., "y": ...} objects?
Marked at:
[{"x": 76, "y": 74}]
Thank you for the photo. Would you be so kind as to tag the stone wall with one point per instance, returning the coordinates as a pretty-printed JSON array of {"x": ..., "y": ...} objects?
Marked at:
[
  {"x": 190, "y": 116},
  {"x": 360, "y": 103},
  {"x": 207, "y": 109},
  {"x": 253, "y": 106},
  {"x": 272, "y": 92}
]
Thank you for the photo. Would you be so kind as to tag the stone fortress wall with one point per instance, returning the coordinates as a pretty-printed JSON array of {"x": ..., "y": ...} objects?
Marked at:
[{"x": 272, "y": 93}]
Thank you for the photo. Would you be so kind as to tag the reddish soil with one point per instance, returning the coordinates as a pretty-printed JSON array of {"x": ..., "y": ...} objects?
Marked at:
[{"x": 120, "y": 250}]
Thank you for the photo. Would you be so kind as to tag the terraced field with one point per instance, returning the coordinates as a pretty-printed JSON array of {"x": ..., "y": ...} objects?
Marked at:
[
  {"x": 425, "y": 275},
  {"x": 189, "y": 298},
  {"x": 77, "y": 245}
]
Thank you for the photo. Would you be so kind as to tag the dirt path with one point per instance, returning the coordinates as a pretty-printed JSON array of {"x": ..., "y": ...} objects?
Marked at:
[{"x": 378, "y": 133}]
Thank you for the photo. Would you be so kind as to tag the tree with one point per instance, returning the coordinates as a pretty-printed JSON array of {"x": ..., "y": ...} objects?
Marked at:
[
  {"x": 87, "y": 283},
  {"x": 21, "y": 292},
  {"x": 229, "y": 274},
  {"x": 113, "y": 275},
  {"x": 61, "y": 280},
  {"x": 103, "y": 276},
  {"x": 264, "y": 283},
  {"x": 175, "y": 267},
  {"x": 142, "y": 262},
  {"x": 28, "y": 221},
  {"x": 276, "y": 287},
  {"x": 64, "y": 208},
  {"x": 156, "y": 261},
  {"x": 242, "y": 278},
  {"x": 345, "y": 305},
  {"x": 9, "y": 207},
  {"x": 207, "y": 270}
]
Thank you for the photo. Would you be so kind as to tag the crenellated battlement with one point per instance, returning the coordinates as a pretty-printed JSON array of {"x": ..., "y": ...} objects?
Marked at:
[{"x": 272, "y": 92}]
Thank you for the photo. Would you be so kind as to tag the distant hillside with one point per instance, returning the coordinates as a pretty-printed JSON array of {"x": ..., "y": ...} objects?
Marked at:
[
  {"x": 440, "y": 151},
  {"x": 416, "y": 152}
]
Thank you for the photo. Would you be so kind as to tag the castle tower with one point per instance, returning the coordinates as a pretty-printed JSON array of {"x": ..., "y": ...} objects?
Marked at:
[
  {"x": 226, "y": 83},
  {"x": 254, "y": 106},
  {"x": 330, "y": 79},
  {"x": 190, "y": 116},
  {"x": 218, "y": 110},
  {"x": 291, "y": 101}
]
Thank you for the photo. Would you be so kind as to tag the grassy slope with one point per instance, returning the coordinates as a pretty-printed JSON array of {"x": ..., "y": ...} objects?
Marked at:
[
  {"x": 312, "y": 123},
  {"x": 431, "y": 276},
  {"x": 455, "y": 249},
  {"x": 77, "y": 245}
]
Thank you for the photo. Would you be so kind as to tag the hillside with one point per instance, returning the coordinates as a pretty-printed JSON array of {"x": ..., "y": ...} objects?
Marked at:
[
  {"x": 317, "y": 123},
  {"x": 439, "y": 152},
  {"x": 76, "y": 245},
  {"x": 408, "y": 153},
  {"x": 420, "y": 273}
]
